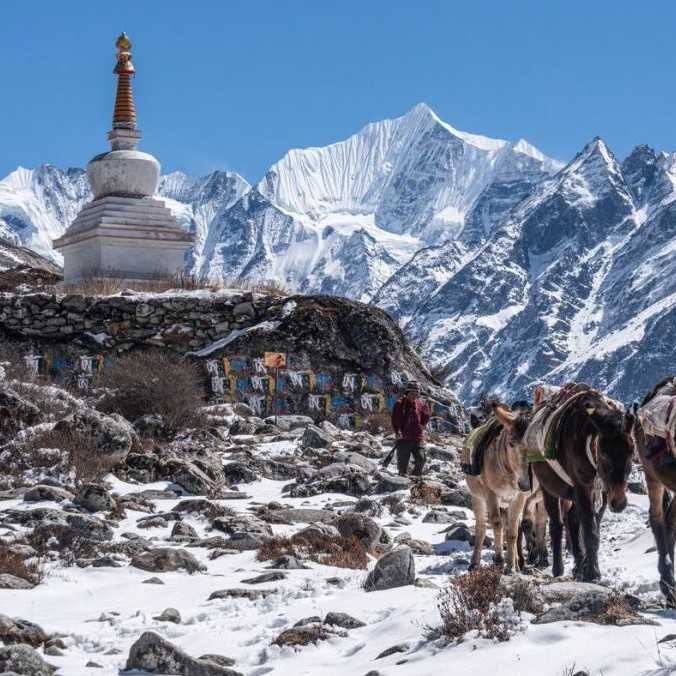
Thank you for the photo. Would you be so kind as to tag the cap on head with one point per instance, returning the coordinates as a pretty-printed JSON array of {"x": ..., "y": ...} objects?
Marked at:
[{"x": 412, "y": 386}]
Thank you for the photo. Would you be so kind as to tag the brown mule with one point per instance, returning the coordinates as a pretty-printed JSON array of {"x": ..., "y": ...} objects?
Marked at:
[
  {"x": 497, "y": 488},
  {"x": 595, "y": 441},
  {"x": 660, "y": 479}
]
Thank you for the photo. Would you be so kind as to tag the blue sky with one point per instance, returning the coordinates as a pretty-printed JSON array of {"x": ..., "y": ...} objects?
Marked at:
[{"x": 235, "y": 84}]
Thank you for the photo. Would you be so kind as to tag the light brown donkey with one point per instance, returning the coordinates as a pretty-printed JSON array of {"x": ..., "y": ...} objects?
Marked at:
[{"x": 497, "y": 487}]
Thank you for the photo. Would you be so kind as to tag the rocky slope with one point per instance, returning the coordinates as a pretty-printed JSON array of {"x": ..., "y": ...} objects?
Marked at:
[{"x": 253, "y": 547}]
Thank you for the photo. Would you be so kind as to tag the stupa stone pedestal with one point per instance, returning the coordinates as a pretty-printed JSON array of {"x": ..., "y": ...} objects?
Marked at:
[{"x": 124, "y": 232}]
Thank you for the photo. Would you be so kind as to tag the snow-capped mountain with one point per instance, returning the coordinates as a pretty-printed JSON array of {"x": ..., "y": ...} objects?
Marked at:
[
  {"x": 342, "y": 219},
  {"x": 504, "y": 266},
  {"x": 577, "y": 282}
]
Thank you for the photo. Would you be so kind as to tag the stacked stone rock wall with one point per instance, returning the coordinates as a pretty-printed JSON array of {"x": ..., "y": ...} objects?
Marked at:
[{"x": 345, "y": 361}]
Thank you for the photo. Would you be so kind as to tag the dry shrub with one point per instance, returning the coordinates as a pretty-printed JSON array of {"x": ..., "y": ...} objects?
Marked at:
[
  {"x": 425, "y": 494},
  {"x": 617, "y": 611},
  {"x": 523, "y": 595},
  {"x": 154, "y": 382},
  {"x": 11, "y": 563},
  {"x": 324, "y": 549},
  {"x": 300, "y": 636},
  {"x": 81, "y": 455},
  {"x": 475, "y": 602},
  {"x": 114, "y": 284},
  {"x": 377, "y": 423}
]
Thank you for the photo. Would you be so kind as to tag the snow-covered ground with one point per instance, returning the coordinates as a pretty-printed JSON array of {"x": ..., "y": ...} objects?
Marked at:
[{"x": 102, "y": 611}]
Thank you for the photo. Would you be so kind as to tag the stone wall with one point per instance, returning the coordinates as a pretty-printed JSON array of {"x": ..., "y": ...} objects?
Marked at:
[{"x": 345, "y": 361}]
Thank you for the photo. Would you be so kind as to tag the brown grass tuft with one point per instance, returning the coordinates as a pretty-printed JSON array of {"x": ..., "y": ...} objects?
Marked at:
[
  {"x": 425, "y": 494},
  {"x": 324, "y": 549}
]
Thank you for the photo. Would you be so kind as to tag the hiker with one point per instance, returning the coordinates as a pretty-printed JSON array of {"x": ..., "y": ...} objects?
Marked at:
[{"x": 409, "y": 418}]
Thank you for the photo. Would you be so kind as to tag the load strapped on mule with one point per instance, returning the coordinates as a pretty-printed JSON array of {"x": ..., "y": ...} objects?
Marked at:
[
  {"x": 657, "y": 416},
  {"x": 542, "y": 437}
]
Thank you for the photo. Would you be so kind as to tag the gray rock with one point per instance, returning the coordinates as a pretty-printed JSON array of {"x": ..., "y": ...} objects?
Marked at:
[
  {"x": 304, "y": 515},
  {"x": 152, "y": 580},
  {"x": 239, "y": 473},
  {"x": 169, "y": 615},
  {"x": 94, "y": 498},
  {"x": 192, "y": 479},
  {"x": 362, "y": 527},
  {"x": 289, "y": 422},
  {"x": 23, "y": 661},
  {"x": 439, "y": 516},
  {"x": 220, "y": 660},
  {"x": 456, "y": 497},
  {"x": 8, "y": 581},
  {"x": 112, "y": 434},
  {"x": 265, "y": 577},
  {"x": 200, "y": 506},
  {"x": 394, "y": 569},
  {"x": 156, "y": 655},
  {"x": 343, "y": 620},
  {"x": 39, "y": 492},
  {"x": 395, "y": 649},
  {"x": 313, "y": 619},
  {"x": 183, "y": 530},
  {"x": 287, "y": 562},
  {"x": 242, "y": 409},
  {"x": 390, "y": 483},
  {"x": 15, "y": 630},
  {"x": 166, "y": 559},
  {"x": 249, "y": 594},
  {"x": 315, "y": 437}
]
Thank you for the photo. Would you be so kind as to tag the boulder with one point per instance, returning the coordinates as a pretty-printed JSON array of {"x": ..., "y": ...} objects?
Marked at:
[
  {"x": 112, "y": 434},
  {"x": 389, "y": 483},
  {"x": 249, "y": 594},
  {"x": 289, "y": 422},
  {"x": 200, "y": 506},
  {"x": 22, "y": 660},
  {"x": 40, "y": 493},
  {"x": 239, "y": 473},
  {"x": 315, "y": 437},
  {"x": 169, "y": 615},
  {"x": 343, "y": 620},
  {"x": 156, "y": 655},
  {"x": 302, "y": 515},
  {"x": 15, "y": 411},
  {"x": 166, "y": 559},
  {"x": 456, "y": 497},
  {"x": 183, "y": 530},
  {"x": 8, "y": 581},
  {"x": 15, "y": 630},
  {"x": 94, "y": 498},
  {"x": 394, "y": 569},
  {"x": 362, "y": 527},
  {"x": 192, "y": 479},
  {"x": 265, "y": 577}
]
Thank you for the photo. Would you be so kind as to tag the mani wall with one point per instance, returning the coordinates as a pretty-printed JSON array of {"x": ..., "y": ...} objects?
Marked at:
[{"x": 343, "y": 361}]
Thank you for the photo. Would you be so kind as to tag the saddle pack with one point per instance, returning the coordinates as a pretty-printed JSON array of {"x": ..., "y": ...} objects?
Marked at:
[{"x": 476, "y": 444}]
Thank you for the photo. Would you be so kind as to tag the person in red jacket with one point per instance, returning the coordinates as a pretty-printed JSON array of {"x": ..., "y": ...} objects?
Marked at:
[{"x": 409, "y": 419}]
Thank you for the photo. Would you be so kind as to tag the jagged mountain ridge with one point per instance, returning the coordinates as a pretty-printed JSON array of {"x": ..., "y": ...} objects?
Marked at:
[{"x": 503, "y": 267}]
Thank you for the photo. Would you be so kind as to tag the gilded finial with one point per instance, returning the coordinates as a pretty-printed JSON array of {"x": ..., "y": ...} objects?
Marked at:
[
  {"x": 124, "y": 115},
  {"x": 124, "y": 64}
]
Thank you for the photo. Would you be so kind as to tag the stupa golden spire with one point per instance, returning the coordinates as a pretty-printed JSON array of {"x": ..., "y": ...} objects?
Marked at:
[{"x": 124, "y": 115}]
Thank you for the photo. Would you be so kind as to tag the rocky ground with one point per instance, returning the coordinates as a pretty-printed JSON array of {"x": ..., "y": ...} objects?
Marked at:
[{"x": 266, "y": 547}]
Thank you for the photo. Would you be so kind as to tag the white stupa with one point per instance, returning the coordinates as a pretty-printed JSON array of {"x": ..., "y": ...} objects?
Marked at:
[{"x": 123, "y": 232}]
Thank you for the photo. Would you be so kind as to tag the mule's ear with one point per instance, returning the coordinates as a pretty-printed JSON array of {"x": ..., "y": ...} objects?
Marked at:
[
  {"x": 505, "y": 416},
  {"x": 629, "y": 422}
]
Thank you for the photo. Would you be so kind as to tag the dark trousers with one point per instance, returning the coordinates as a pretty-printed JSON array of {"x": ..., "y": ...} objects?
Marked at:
[{"x": 404, "y": 451}]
